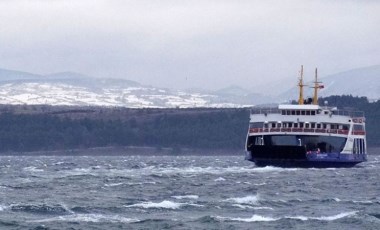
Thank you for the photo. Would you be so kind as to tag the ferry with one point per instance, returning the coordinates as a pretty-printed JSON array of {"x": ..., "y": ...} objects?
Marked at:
[{"x": 306, "y": 134}]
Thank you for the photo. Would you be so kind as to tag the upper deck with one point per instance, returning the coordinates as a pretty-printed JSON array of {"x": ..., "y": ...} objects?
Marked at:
[
  {"x": 311, "y": 119},
  {"x": 307, "y": 110}
]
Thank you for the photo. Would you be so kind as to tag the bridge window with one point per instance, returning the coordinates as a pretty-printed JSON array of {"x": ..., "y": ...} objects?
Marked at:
[
  {"x": 318, "y": 126},
  {"x": 303, "y": 112},
  {"x": 254, "y": 125},
  {"x": 313, "y": 112},
  {"x": 358, "y": 128},
  {"x": 308, "y": 112},
  {"x": 293, "y": 112},
  {"x": 298, "y": 112}
]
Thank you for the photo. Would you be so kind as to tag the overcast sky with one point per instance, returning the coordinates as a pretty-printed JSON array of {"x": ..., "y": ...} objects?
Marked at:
[{"x": 190, "y": 43}]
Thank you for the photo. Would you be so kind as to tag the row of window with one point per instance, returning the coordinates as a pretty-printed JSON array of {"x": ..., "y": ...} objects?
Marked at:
[
  {"x": 306, "y": 125},
  {"x": 301, "y": 112}
]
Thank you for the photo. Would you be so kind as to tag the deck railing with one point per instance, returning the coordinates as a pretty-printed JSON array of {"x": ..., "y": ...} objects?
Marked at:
[
  {"x": 338, "y": 112},
  {"x": 306, "y": 130}
]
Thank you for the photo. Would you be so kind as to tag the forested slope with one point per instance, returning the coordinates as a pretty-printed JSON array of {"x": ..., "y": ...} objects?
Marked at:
[{"x": 36, "y": 128}]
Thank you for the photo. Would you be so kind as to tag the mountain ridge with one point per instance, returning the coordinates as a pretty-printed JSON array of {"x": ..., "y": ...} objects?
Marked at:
[{"x": 71, "y": 88}]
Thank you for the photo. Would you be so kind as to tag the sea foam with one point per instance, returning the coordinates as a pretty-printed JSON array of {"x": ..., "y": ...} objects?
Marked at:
[
  {"x": 258, "y": 218},
  {"x": 244, "y": 200},
  {"x": 166, "y": 204},
  {"x": 186, "y": 197},
  {"x": 89, "y": 218}
]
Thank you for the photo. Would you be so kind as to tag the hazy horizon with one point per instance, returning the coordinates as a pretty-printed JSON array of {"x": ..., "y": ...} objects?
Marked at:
[{"x": 190, "y": 44}]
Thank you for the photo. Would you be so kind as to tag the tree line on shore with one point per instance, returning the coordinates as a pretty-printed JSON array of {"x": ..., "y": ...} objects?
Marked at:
[{"x": 32, "y": 129}]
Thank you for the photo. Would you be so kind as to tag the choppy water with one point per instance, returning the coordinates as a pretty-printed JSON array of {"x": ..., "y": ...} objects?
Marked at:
[{"x": 222, "y": 192}]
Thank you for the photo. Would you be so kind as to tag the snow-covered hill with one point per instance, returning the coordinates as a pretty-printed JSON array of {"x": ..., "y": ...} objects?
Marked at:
[
  {"x": 76, "y": 89},
  {"x": 70, "y": 88}
]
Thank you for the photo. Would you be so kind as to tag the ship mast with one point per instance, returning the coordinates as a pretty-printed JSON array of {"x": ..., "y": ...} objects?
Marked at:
[
  {"x": 300, "y": 86},
  {"x": 316, "y": 87}
]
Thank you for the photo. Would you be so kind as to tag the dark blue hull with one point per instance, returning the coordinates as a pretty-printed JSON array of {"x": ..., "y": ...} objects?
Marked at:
[
  {"x": 297, "y": 156},
  {"x": 303, "y": 163}
]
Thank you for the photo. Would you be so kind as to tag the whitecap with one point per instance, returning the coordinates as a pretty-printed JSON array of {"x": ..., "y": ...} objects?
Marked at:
[
  {"x": 325, "y": 218},
  {"x": 3, "y": 207},
  {"x": 254, "y": 218},
  {"x": 362, "y": 202},
  {"x": 32, "y": 169},
  {"x": 219, "y": 179},
  {"x": 258, "y": 218},
  {"x": 274, "y": 169},
  {"x": 113, "y": 184},
  {"x": 186, "y": 197},
  {"x": 166, "y": 204},
  {"x": 244, "y": 200},
  {"x": 251, "y": 207},
  {"x": 260, "y": 184},
  {"x": 141, "y": 183},
  {"x": 89, "y": 218}
]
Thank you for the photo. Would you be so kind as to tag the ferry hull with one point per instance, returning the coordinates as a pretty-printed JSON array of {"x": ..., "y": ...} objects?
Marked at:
[
  {"x": 303, "y": 163},
  {"x": 296, "y": 156}
]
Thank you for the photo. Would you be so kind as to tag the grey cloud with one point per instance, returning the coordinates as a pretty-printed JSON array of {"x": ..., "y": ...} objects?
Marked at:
[{"x": 209, "y": 44}]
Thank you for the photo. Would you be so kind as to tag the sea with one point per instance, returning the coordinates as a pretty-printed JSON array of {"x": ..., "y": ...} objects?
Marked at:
[{"x": 183, "y": 192}]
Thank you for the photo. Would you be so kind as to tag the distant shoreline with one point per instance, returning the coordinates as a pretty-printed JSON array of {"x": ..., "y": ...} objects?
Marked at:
[
  {"x": 131, "y": 151},
  {"x": 144, "y": 151}
]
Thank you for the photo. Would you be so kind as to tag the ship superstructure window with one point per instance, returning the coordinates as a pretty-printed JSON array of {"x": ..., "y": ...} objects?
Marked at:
[
  {"x": 300, "y": 112},
  {"x": 256, "y": 125},
  {"x": 358, "y": 128},
  {"x": 318, "y": 126}
]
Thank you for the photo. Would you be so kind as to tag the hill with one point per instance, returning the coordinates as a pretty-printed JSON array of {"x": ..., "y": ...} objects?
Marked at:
[{"x": 362, "y": 82}]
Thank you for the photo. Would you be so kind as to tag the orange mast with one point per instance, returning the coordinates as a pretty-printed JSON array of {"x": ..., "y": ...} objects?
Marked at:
[
  {"x": 300, "y": 86},
  {"x": 316, "y": 87}
]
